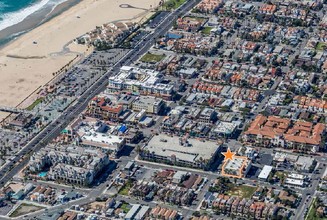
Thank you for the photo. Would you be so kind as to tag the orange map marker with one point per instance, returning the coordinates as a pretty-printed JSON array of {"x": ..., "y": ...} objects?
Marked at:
[{"x": 228, "y": 155}]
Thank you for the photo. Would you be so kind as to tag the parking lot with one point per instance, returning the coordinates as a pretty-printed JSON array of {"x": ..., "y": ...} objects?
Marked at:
[
  {"x": 11, "y": 142},
  {"x": 104, "y": 58}
]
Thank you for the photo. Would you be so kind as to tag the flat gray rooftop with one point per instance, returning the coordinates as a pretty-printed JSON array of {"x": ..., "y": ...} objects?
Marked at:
[{"x": 191, "y": 150}]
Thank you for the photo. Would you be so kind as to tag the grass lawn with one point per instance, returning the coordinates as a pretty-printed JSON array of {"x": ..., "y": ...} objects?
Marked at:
[
  {"x": 312, "y": 210},
  {"x": 125, "y": 189},
  {"x": 173, "y": 4},
  {"x": 281, "y": 176},
  {"x": 152, "y": 58},
  {"x": 35, "y": 103},
  {"x": 321, "y": 46},
  {"x": 242, "y": 191},
  {"x": 206, "y": 30},
  {"x": 125, "y": 207},
  {"x": 198, "y": 19},
  {"x": 25, "y": 209}
]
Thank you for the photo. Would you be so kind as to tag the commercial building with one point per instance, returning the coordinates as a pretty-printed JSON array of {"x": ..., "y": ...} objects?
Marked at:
[
  {"x": 150, "y": 104},
  {"x": 237, "y": 167},
  {"x": 281, "y": 157},
  {"x": 265, "y": 172},
  {"x": 188, "y": 73},
  {"x": 297, "y": 180},
  {"x": 94, "y": 133},
  {"x": 137, "y": 212},
  {"x": 180, "y": 151},
  {"x": 305, "y": 164},
  {"x": 22, "y": 120}
]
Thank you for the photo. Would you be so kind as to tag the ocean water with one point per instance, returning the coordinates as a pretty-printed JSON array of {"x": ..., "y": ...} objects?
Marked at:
[
  {"x": 15, "y": 11},
  {"x": 19, "y": 16}
]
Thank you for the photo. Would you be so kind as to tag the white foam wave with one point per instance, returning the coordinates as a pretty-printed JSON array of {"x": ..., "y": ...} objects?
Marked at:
[{"x": 17, "y": 17}]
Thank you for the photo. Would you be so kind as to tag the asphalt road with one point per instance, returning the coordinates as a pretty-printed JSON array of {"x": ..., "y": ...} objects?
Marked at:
[
  {"x": 55, "y": 127},
  {"x": 309, "y": 193}
]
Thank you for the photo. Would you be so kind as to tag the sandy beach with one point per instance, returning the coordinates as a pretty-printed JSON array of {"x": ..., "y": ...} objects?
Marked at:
[{"x": 25, "y": 66}]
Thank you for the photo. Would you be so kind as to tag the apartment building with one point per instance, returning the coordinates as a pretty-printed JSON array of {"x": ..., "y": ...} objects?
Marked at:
[
  {"x": 140, "y": 82},
  {"x": 105, "y": 108},
  {"x": 209, "y": 6},
  {"x": 71, "y": 174},
  {"x": 164, "y": 213},
  {"x": 283, "y": 132},
  {"x": 70, "y": 164},
  {"x": 190, "y": 24},
  {"x": 208, "y": 115}
]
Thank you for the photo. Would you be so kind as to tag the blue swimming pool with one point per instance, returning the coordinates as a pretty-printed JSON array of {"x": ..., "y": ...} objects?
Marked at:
[{"x": 43, "y": 174}]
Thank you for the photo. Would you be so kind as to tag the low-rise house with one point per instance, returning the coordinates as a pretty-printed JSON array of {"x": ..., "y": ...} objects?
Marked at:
[
  {"x": 245, "y": 208},
  {"x": 163, "y": 213}
]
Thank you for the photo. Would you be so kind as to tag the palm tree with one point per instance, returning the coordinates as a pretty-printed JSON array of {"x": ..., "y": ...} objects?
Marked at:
[{"x": 138, "y": 149}]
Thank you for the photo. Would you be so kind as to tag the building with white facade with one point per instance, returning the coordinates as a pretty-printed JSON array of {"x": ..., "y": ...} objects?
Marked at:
[
  {"x": 150, "y": 104},
  {"x": 265, "y": 172},
  {"x": 141, "y": 82},
  {"x": 95, "y": 133},
  {"x": 69, "y": 163}
]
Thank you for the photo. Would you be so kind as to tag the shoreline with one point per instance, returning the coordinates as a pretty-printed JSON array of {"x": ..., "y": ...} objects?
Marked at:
[
  {"x": 10, "y": 34},
  {"x": 19, "y": 78}
]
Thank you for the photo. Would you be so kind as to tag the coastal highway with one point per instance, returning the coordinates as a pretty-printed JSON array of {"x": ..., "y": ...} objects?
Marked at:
[{"x": 55, "y": 127}]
